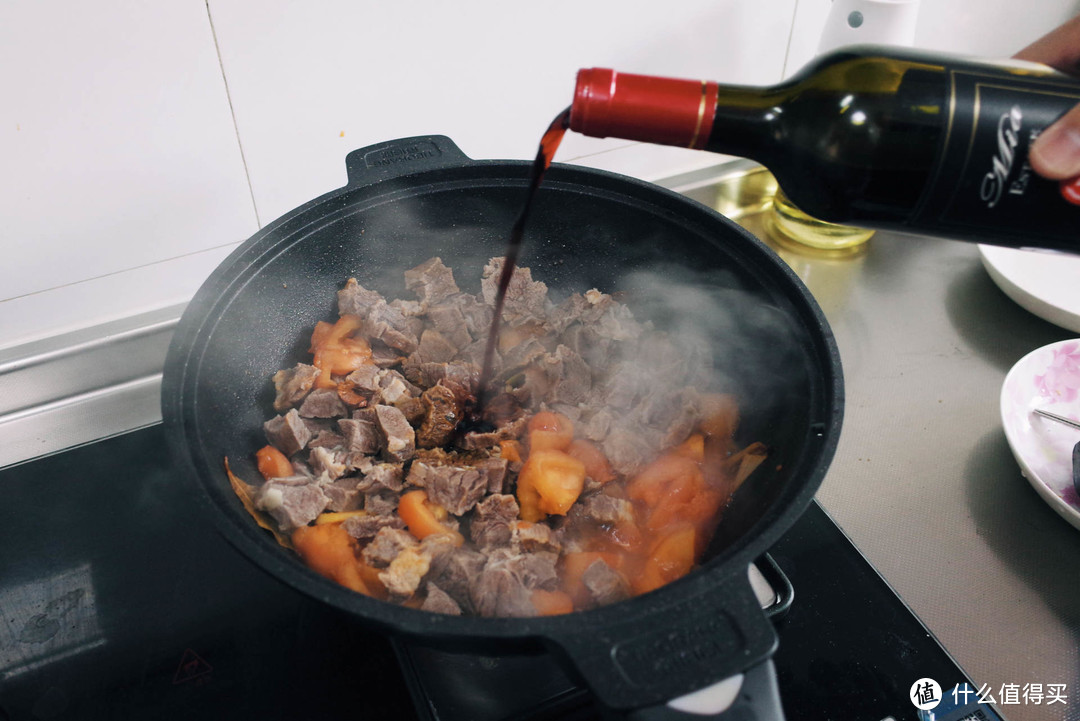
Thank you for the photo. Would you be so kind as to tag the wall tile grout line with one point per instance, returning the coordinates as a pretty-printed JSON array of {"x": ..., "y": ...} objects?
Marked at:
[{"x": 232, "y": 112}]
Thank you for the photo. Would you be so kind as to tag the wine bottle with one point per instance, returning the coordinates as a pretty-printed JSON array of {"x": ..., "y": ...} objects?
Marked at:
[{"x": 872, "y": 136}]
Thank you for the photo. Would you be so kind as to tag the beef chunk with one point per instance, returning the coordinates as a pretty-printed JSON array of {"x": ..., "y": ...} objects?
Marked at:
[
  {"x": 497, "y": 591},
  {"x": 598, "y": 424},
  {"x": 534, "y": 537},
  {"x": 402, "y": 577},
  {"x": 442, "y": 411},
  {"x": 456, "y": 571},
  {"x": 365, "y": 379},
  {"x": 399, "y": 438},
  {"x": 412, "y": 409},
  {"x": 521, "y": 355},
  {"x": 439, "y": 601},
  {"x": 626, "y": 449},
  {"x": 473, "y": 354},
  {"x": 292, "y": 502},
  {"x": 380, "y": 502},
  {"x": 526, "y": 299},
  {"x": 507, "y": 430},
  {"x": 386, "y": 475},
  {"x": 367, "y": 526},
  {"x": 360, "y": 436},
  {"x": 605, "y": 584},
  {"x": 596, "y": 350},
  {"x": 343, "y": 494},
  {"x": 434, "y": 347},
  {"x": 455, "y": 488},
  {"x": 431, "y": 281},
  {"x": 386, "y": 545},
  {"x": 490, "y": 525},
  {"x": 448, "y": 319},
  {"x": 605, "y": 509},
  {"x": 494, "y": 472},
  {"x": 325, "y": 438},
  {"x": 355, "y": 299},
  {"x": 389, "y": 325},
  {"x": 392, "y": 388},
  {"x": 287, "y": 433},
  {"x": 292, "y": 385},
  {"x": 383, "y": 356},
  {"x": 465, "y": 375},
  {"x": 624, "y": 385},
  {"x": 332, "y": 463},
  {"x": 323, "y": 403},
  {"x": 570, "y": 377}
]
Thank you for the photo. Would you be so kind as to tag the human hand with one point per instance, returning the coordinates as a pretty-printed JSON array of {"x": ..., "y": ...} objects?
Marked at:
[{"x": 1055, "y": 154}]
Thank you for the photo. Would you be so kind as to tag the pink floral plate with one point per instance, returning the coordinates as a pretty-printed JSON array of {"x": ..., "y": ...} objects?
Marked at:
[{"x": 1047, "y": 378}]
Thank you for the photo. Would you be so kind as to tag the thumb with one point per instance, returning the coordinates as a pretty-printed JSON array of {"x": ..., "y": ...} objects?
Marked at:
[{"x": 1055, "y": 154}]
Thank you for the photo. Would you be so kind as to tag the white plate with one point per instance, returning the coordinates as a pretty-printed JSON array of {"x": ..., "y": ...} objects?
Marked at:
[
  {"x": 1044, "y": 283},
  {"x": 1047, "y": 378}
]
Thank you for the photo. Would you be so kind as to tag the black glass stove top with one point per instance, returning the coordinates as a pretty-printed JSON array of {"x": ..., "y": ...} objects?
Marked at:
[{"x": 120, "y": 601}]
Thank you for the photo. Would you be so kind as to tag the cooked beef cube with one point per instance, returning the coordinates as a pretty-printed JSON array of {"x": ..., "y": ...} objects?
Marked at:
[
  {"x": 624, "y": 386},
  {"x": 290, "y": 504},
  {"x": 359, "y": 462},
  {"x": 627, "y": 450},
  {"x": 323, "y": 460},
  {"x": 360, "y": 436},
  {"x": 343, "y": 494},
  {"x": 477, "y": 316},
  {"x": 408, "y": 308},
  {"x": 490, "y": 525},
  {"x": 292, "y": 385},
  {"x": 598, "y": 425},
  {"x": 455, "y": 488},
  {"x": 326, "y": 438},
  {"x": 287, "y": 433},
  {"x": 389, "y": 325},
  {"x": 614, "y": 321},
  {"x": 431, "y": 281},
  {"x": 497, "y": 591},
  {"x": 448, "y": 319},
  {"x": 526, "y": 299},
  {"x": 402, "y": 577},
  {"x": 602, "y": 508},
  {"x": 442, "y": 411},
  {"x": 534, "y": 537},
  {"x": 386, "y": 545},
  {"x": 452, "y": 374},
  {"x": 535, "y": 569},
  {"x": 494, "y": 472},
  {"x": 399, "y": 437},
  {"x": 380, "y": 501},
  {"x": 412, "y": 409},
  {"x": 473, "y": 354},
  {"x": 521, "y": 355},
  {"x": 383, "y": 356},
  {"x": 566, "y": 313},
  {"x": 456, "y": 571},
  {"x": 571, "y": 379},
  {"x": 433, "y": 348},
  {"x": 596, "y": 350},
  {"x": 366, "y": 526},
  {"x": 604, "y": 583},
  {"x": 507, "y": 431},
  {"x": 323, "y": 403},
  {"x": 354, "y": 299},
  {"x": 439, "y": 601},
  {"x": 364, "y": 379},
  {"x": 386, "y": 475},
  {"x": 393, "y": 387}
]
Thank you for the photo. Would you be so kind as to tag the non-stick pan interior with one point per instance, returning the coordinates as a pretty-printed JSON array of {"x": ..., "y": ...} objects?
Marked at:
[{"x": 677, "y": 265}]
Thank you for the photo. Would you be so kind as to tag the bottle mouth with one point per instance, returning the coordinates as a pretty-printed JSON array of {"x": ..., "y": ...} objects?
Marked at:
[{"x": 642, "y": 107}]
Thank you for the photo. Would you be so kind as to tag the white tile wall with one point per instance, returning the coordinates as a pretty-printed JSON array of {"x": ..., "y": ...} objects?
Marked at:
[
  {"x": 122, "y": 182},
  {"x": 117, "y": 152}
]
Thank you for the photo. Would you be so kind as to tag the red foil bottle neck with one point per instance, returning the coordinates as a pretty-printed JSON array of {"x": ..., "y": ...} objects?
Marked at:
[{"x": 642, "y": 107}]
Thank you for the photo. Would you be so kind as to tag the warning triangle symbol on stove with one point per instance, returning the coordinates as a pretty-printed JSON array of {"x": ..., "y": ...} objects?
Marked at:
[{"x": 191, "y": 666}]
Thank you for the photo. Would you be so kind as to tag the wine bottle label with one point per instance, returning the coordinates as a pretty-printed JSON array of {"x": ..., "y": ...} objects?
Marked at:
[{"x": 983, "y": 178}]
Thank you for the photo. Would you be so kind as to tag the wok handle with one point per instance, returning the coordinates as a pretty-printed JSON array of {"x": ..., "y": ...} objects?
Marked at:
[
  {"x": 404, "y": 156},
  {"x": 663, "y": 652},
  {"x": 750, "y": 696}
]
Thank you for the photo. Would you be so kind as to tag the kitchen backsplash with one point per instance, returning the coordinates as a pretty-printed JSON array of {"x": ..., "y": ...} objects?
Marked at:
[{"x": 141, "y": 142}]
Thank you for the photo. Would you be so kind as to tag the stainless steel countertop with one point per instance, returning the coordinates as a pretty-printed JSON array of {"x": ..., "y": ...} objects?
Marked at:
[{"x": 923, "y": 481}]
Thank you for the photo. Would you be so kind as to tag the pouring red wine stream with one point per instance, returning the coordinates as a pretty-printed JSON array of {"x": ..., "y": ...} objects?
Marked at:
[{"x": 549, "y": 143}]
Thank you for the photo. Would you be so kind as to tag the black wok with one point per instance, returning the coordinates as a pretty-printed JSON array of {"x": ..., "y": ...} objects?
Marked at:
[{"x": 410, "y": 199}]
